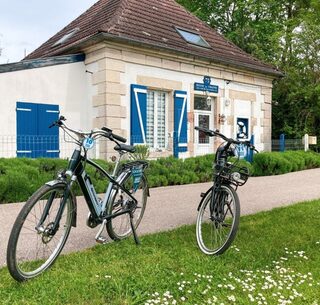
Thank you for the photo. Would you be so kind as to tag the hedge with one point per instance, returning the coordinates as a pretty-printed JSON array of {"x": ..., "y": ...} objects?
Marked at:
[
  {"x": 19, "y": 178},
  {"x": 277, "y": 163}
]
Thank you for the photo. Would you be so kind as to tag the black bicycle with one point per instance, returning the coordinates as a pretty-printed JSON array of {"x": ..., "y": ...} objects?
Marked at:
[
  {"x": 44, "y": 223},
  {"x": 219, "y": 210}
]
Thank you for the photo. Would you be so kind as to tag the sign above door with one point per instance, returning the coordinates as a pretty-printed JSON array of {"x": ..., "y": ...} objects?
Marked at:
[{"x": 206, "y": 86}]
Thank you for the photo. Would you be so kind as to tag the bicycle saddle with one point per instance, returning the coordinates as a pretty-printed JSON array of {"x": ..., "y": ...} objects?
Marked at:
[{"x": 124, "y": 147}]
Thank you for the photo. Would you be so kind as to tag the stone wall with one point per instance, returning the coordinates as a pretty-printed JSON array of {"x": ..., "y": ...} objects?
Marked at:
[{"x": 110, "y": 100}]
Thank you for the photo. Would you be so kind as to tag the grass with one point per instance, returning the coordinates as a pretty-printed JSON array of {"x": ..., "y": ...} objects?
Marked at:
[{"x": 274, "y": 260}]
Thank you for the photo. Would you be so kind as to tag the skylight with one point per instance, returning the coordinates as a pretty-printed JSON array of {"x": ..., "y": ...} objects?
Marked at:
[
  {"x": 193, "y": 38},
  {"x": 66, "y": 37}
]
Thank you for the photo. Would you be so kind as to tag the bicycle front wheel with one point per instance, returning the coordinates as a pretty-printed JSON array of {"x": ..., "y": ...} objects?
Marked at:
[
  {"x": 119, "y": 227},
  {"x": 218, "y": 221},
  {"x": 32, "y": 248}
]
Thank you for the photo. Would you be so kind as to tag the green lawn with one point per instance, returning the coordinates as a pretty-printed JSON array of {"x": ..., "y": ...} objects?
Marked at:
[{"x": 275, "y": 259}]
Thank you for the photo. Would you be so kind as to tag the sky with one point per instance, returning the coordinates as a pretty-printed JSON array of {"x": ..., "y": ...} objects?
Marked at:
[{"x": 26, "y": 24}]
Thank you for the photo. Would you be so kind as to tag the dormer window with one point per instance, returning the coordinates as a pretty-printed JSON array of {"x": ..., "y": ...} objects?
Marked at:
[
  {"x": 66, "y": 37},
  {"x": 193, "y": 38}
]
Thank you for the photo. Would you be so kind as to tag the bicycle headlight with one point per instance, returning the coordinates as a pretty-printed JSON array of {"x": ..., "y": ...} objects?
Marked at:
[{"x": 236, "y": 176}]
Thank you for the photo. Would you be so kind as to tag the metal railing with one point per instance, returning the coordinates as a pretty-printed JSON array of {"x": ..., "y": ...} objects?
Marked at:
[{"x": 39, "y": 146}]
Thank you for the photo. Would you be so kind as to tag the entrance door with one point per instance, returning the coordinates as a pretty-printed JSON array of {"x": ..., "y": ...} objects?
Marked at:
[{"x": 203, "y": 118}]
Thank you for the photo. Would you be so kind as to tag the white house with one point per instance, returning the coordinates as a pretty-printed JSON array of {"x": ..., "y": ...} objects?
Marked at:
[{"x": 141, "y": 68}]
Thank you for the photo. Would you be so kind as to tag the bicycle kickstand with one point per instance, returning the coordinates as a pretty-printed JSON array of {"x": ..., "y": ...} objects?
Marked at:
[{"x": 136, "y": 239}]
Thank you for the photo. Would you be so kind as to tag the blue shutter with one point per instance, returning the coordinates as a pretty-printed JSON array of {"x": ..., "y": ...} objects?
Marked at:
[
  {"x": 138, "y": 114},
  {"x": 180, "y": 123},
  {"x": 27, "y": 116},
  {"x": 34, "y": 138},
  {"x": 48, "y": 137}
]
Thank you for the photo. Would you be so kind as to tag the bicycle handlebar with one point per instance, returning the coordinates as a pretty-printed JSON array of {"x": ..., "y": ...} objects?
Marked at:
[
  {"x": 214, "y": 133},
  {"x": 104, "y": 131}
]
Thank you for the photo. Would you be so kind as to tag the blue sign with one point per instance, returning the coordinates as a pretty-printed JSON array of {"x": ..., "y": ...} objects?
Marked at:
[{"x": 206, "y": 85}]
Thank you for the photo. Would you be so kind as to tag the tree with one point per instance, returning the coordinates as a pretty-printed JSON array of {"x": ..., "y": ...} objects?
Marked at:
[
  {"x": 299, "y": 90},
  {"x": 284, "y": 33}
]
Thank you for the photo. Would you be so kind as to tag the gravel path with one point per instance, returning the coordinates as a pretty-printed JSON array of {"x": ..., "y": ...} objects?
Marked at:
[{"x": 174, "y": 206}]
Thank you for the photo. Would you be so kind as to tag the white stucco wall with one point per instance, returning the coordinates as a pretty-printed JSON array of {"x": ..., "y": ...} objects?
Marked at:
[{"x": 68, "y": 86}]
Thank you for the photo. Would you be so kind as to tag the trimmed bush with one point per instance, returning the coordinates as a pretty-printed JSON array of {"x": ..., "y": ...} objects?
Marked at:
[
  {"x": 19, "y": 178},
  {"x": 277, "y": 163},
  {"x": 266, "y": 164}
]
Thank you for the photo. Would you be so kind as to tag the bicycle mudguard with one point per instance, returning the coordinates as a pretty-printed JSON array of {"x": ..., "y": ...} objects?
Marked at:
[
  {"x": 204, "y": 196},
  {"x": 73, "y": 200}
]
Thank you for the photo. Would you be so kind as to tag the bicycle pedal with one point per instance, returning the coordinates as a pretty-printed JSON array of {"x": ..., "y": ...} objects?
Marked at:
[{"x": 101, "y": 240}]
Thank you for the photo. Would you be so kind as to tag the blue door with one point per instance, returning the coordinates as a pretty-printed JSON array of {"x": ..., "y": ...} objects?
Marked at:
[{"x": 34, "y": 137}]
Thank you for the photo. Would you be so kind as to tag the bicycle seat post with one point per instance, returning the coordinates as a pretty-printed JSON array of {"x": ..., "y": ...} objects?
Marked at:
[{"x": 117, "y": 162}]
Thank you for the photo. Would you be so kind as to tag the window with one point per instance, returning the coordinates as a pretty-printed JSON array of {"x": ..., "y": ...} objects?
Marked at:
[
  {"x": 200, "y": 103},
  {"x": 156, "y": 119},
  {"x": 66, "y": 37},
  {"x": 193, "y": 38}
]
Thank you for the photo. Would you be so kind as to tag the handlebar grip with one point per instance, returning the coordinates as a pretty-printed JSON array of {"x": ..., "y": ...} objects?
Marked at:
[
  {"x": 108, "y": 130},
  {"x": 120, "y": 139},
  {"x": 113, "y": 136}
]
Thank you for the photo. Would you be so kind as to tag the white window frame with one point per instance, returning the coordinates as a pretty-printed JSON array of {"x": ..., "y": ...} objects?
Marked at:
[
  {"x": 155, "y": 115},
  {"x": 198, "y": 112}
]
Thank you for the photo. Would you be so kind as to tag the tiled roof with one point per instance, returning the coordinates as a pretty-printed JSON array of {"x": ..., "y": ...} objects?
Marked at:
[{"x": 149, "y": 23}]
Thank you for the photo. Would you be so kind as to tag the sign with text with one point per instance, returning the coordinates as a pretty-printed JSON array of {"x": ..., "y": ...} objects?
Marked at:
[{"x": 206, "y": 86}]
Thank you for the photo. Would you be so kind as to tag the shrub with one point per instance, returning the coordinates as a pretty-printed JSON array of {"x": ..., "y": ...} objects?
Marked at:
[
  {"x": 267, "y": 163},
  {"x": 311, "y": 158},
  {"x": 296, "y": 160},
  {"x": 141, "y": 153},
  {"x": 19, "y": 178}
]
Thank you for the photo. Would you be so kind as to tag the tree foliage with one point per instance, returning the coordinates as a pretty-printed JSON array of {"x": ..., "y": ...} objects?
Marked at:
[{"x": 285, "y": 33}]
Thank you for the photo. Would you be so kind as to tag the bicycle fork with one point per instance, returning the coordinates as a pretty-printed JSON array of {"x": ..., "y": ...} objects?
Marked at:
[{"x": 53, "y": 227}]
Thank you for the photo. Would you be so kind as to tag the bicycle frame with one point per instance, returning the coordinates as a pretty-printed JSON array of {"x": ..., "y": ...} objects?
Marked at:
[{"x": 97, "y": 208}]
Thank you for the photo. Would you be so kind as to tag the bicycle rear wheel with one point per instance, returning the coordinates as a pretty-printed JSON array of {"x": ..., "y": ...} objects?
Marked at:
[
  {"x": 218, "y": 221},
  {"x": 119, "y": 227},
  {"x": 33, "y": 249}
]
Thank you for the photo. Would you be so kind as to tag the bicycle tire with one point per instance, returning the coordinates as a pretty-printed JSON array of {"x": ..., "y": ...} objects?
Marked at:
[
  {"x": 119, "y": 227},
  {"x": 208, "y": 228},
  {"x": 23, "y": 261}
]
